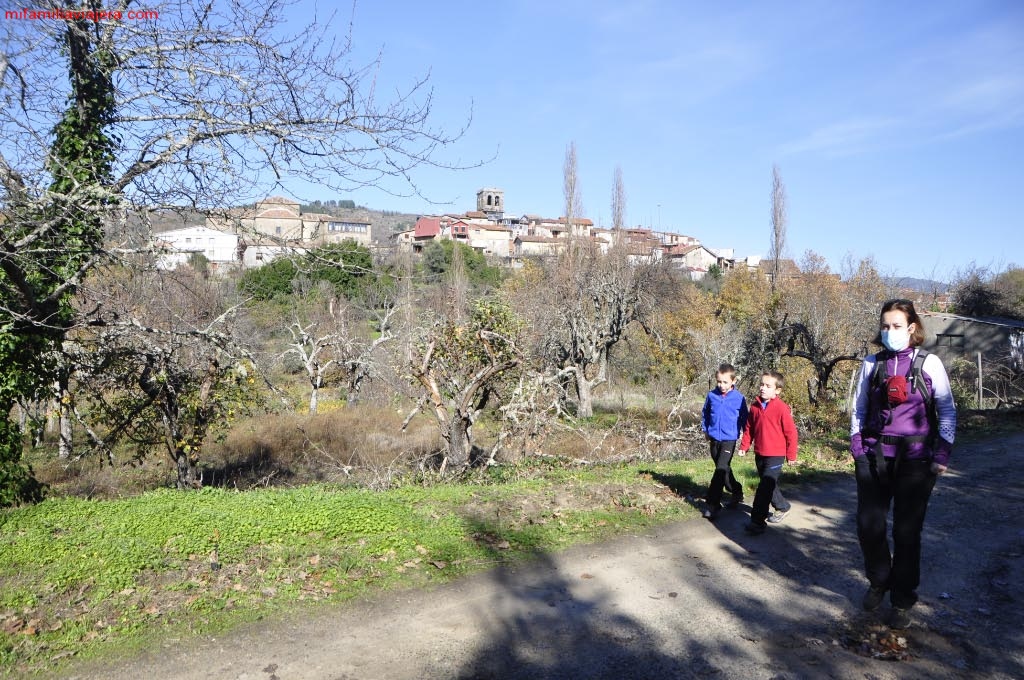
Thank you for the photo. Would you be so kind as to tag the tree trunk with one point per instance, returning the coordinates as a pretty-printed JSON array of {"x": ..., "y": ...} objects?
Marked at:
[
  {"x": 65, "y": 447},
  {"x": 64, "y": 423},
  {"x": 585, "y": 404},
  {"x": 355, "y": 383},
  {"x": 313, "y": 398},
  {"x": 459, "y": 443},
  {"x": 188, "y": 472}
]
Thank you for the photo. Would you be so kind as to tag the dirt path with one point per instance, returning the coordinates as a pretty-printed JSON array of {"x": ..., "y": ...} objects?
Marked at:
[{"x": 688, "y": 600}]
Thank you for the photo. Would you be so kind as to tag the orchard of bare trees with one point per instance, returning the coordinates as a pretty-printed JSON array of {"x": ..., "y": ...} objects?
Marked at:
[{"x": 438, "y": 363}]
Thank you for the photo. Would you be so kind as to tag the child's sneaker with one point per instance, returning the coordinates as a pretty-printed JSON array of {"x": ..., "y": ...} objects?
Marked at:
[
  {"x": 777, "y": 516},
  {"x": 736, "y": 502},
  {"x": 873, "y": 597},
  {"x": 899, "y": 619},
  {"x": 755, "y": 529},
  {"x": 711, "y": 511}
]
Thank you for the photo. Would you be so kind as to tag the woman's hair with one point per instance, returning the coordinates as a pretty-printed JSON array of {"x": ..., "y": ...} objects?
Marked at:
[{"x": 907, "y": 307}]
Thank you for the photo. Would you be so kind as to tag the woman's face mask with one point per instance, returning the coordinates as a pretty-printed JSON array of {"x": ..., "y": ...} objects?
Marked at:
[
  {"x": 895, "y": 333},
  {"x": 896, "y": 339}
]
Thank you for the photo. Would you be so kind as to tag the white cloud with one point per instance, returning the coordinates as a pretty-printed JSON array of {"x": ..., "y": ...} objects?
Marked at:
[{"x": 845, "y": 138}]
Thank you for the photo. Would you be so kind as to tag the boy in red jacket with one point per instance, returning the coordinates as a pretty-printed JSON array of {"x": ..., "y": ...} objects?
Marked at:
[{"x": 770, "y": 428}]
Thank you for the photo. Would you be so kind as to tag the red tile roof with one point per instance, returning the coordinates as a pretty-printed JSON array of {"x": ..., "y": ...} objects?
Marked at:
[{"x": 427, "y": 226}]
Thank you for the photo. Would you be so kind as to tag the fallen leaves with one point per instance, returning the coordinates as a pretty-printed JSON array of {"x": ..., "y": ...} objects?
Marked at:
[
  {"x": 12, "y": 625},
  {"x": 878, "y": 642}
]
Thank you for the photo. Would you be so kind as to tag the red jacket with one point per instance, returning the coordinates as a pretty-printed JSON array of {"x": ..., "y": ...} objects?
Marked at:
[{"x": 771, "y": 428}]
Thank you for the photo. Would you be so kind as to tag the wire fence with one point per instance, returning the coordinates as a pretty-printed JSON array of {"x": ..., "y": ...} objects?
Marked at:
[{"x": 987, "y": 382}]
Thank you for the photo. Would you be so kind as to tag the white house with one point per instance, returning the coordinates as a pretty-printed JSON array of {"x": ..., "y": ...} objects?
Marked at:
[
  {"x": 338, "y": 229},
  {"x": 537, "y": 246},
  {"x": 696, "y": 259},
  {"x": 256, "y": 253},
  {"x": 489, "y": 238},
  {"x": 175, "y": 247}
]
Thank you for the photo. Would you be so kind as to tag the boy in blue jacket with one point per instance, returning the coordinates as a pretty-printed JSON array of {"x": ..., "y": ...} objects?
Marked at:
[{"x": 724, "y": 417}]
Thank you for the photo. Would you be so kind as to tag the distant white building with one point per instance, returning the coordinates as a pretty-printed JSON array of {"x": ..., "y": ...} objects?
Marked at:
[
  {"x": 337, "y": 229},
  {"x": 256, "y": 253},
  {"x": 175, "y": 247},
  {"x": 280, "y": 221},
  {"x": 490, "y": 239}
]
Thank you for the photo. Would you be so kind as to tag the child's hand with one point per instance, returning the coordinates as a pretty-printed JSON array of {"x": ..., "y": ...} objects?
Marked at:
[
  {"x": 742, "y": 452},
  {"x": 790, "y": 462}
]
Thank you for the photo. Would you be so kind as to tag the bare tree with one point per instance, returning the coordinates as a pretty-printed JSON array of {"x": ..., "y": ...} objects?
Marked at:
[
  {"x": 828, "y": 320},
  {"x": 209, "y": 106},
  {"x": 458, "y": 365},
  {"x": 618, "y": 200},
  {"x": 165, "y": 374},
  {"x": 974, "y": 293},
  {"x": 458, "y": 284},
  {"x": 571, "y": 192},
  {"x": 581, "y": 308},
  {"x": 777, "y": 246},
  {"x": 315, "y": 348},
  {"x": 377, "y": 319}
]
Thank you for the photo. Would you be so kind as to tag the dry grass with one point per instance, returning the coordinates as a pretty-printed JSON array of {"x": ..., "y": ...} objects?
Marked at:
[{"x": 357, "y": 443}]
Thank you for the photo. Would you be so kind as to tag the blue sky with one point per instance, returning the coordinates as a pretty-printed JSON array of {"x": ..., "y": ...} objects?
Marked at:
[{"x": 898, "y": 127}]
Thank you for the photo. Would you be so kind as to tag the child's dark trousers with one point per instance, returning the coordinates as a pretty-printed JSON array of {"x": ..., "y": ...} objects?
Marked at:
[
  {"x": 769, "y": 468},
  {"x": 723, "y": 479}
]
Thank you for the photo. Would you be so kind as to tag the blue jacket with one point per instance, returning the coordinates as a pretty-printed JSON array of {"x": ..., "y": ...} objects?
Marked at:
[{"x": 724, "y": 415}]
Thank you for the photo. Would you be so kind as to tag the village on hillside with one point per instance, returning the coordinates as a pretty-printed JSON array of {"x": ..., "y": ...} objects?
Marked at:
[
  {"x": 276, "y": 226},
  {"x": 245, "y": 238}
]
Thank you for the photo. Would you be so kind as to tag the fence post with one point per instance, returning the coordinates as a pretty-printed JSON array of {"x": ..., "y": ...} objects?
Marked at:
[{"x": 981, "y": 403}]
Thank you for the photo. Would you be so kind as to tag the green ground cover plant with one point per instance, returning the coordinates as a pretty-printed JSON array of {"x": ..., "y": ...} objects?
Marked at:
[{"x": 93, "y": 577}]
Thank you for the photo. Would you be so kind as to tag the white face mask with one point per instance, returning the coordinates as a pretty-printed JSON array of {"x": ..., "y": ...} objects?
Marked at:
[{"x": 896, "y": 339}]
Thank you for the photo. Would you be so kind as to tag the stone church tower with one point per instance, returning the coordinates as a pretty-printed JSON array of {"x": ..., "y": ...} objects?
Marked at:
[{"x": 491, "y": 201}]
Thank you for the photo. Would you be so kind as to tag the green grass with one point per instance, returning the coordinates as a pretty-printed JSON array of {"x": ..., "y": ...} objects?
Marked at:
[{"x": 87, "y": 578}]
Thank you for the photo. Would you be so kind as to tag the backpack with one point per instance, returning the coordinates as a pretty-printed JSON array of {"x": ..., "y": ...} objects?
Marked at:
[{"x": 913, "y": 379}]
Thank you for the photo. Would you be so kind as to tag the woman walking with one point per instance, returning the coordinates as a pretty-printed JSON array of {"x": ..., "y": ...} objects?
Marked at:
[{"x": 901, "y": 437}]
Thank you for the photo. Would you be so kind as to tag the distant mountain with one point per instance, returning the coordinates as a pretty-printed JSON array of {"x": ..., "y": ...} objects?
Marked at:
[{"x": 919, "y": 285}]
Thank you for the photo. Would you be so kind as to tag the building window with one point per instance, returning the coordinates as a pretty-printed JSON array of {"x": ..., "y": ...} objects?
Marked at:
[
  {"x": 259, "y": 257},
  {"x": 347, "y": 227},
  {"x": 188, "y": 240},
  {"x": 277, "y": 231},
  {"x": 954, "y": 340}
]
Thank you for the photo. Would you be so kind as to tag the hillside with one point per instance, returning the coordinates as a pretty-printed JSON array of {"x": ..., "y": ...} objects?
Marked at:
[{"x": 919, "y": 285}]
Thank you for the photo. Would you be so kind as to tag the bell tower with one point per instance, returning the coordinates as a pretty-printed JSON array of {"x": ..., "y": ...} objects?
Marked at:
[{"x": 491, "y": 201}]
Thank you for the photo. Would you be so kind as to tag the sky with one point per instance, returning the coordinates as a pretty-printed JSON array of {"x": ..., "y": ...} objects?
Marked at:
[{"x": 898, "y": 128}]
